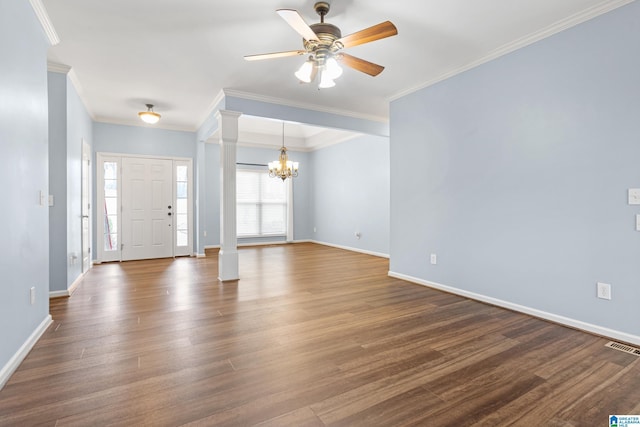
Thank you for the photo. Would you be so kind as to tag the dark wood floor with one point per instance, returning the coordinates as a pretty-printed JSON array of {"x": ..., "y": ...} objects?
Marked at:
[{"x": 310, "y": 336}]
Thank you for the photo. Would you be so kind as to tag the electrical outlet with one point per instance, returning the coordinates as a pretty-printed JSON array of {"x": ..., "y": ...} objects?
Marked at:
[
  {"x": 204, "y": 233},
  {"x": 604, "y": 290},
  {"x": 434, "y": 259},
  {"x": 314, "y": 229},
  {"x": 32, "y": 295}
]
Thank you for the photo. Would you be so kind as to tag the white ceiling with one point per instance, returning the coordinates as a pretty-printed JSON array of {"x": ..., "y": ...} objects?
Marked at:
[{"x": 179, "y": 55}]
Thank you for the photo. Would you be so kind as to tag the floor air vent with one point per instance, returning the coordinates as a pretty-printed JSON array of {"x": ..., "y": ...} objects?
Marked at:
[{"x": 622, "y": 347}]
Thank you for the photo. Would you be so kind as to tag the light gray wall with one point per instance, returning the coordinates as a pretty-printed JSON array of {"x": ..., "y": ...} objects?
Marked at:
[
  {"x": 150, "y": 141},
  {"x": 516, "y": 174},
  {"x": 69, "y": 124},
  {"x": 79, "y": 128},
  {"x": 24, "y": 253},
  {"x": 57, "y": 90},
  {"x": 211, "y": 218},
  {"x": 350, "y": 187},
  {"x": 257, "y": 108},
  {"x": 139, "y": 140}
]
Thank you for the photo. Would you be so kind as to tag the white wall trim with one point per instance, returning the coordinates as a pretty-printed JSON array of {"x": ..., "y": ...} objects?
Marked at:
[
  {"x": 566, "y": 321},
  {"x": 59, "y": 294},
  {"x": 552, "y": 29},
  {"x": 211, "y": 108},
  {"x": 68, "y": 292},
  {"x": 349, "y": 248},
  {"x": 265, "y": 243},
  {"x": 56, "y": 67},
  {"x": 142, "y": 156},
  {"x": 45, "y": 21},
  {"x": 13, "y": 363},
  {"x": 281, "y": 242},
  {"x": 305, "y": 106},
  {"x": 73, "y": 78},
  {"x": 74, "y": 285}
]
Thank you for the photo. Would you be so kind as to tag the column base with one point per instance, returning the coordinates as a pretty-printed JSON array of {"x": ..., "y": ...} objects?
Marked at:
[{"x": 228, "y": 265}]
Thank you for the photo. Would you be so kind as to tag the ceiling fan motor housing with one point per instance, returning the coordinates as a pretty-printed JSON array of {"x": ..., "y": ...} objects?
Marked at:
[
  {"x": 322, "y": 8},
  {"x": 327, "y": 34}
]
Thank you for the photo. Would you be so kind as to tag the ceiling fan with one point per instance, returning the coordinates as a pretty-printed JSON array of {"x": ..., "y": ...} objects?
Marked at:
[{"x": 323, "y": 42}]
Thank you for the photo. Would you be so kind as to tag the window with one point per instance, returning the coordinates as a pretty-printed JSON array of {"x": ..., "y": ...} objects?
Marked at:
[
  {"x": 261, "y": 204},
  {"x": 110, "y": 206},
  {"x": 182, "y": 206}
]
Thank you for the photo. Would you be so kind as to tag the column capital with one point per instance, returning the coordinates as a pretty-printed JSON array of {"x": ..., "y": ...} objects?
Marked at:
[{"x": 228, "y": 125}]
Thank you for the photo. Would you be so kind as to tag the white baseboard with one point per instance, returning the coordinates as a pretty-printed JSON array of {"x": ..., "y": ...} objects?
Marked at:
[
  {"x": 348, "y": 248},
  {"x": 13, "y": 363},
  {"x": 280, "y": 242},
  {"x": 68, "y": 292},
  {"x": 566, "y": 321},
  {"x": 59, "y": 294}
]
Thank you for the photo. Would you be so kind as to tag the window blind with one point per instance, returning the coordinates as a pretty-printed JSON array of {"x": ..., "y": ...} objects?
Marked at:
[{"x": 261, "y": 204}]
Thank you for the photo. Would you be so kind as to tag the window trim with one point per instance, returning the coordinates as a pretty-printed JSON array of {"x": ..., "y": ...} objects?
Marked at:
[{"x": 288, "y": 207}]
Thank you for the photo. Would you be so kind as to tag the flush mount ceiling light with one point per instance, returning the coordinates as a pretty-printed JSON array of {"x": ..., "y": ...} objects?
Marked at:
[
  {"x": 323, "y": 43},
  {"x": 149, "y": 116}
]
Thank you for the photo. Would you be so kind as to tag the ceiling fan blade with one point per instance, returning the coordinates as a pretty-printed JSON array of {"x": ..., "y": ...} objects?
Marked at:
[
  {"x": 360, "y": 64},
  {"x": 296, "y": 22},
  {"x": 377, "y": 32},
  {"x": 274, "y": 55}
]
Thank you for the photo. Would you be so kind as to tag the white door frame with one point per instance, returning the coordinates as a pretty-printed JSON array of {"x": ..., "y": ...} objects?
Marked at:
[
  {"x": 85, "y": 213},
  {"x": 116, "y": 255}
]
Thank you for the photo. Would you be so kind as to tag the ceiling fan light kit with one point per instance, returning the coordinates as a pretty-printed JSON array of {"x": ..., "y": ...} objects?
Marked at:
[
  {"x": 149, "y": 116},
  {"x": 323, "y": 43}
]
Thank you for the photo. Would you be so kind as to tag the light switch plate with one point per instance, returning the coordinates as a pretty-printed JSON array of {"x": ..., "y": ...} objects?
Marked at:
[{"x": 634, "y": 196}]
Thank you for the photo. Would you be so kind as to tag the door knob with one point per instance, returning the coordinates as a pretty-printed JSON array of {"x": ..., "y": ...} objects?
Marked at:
[
  {"x": 169, "y": 207},
  {"x": 169, "y": 214}
]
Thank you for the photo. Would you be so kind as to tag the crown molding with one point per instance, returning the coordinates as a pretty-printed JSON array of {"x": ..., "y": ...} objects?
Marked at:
[
  {"x": 55, "y": 67},
  {"x": 312, "y": 107},
  {"x": 45, "y": 21},
  {"x": 211, "y": 109},
  {"x": 73, "y": 78},
  {"x": 549, "y": 31}
]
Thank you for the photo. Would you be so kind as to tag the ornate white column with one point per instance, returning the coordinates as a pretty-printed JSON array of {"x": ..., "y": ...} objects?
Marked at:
[{"x": 228, "y": 256}]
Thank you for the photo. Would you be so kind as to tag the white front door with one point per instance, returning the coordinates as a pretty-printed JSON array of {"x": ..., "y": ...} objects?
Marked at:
[{"x": 147, "y": 208}]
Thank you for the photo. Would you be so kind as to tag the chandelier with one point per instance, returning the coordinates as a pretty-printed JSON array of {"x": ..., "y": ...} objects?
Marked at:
[{"x": 283, "y": 168}]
